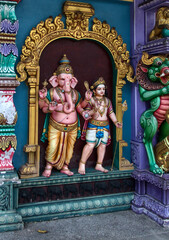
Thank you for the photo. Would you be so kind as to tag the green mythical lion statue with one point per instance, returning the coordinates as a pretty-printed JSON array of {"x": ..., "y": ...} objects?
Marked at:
[{"x": 153, "y": 78}]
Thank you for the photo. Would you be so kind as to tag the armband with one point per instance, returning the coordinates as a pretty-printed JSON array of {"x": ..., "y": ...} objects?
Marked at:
[{"x": 81, "y": 111}]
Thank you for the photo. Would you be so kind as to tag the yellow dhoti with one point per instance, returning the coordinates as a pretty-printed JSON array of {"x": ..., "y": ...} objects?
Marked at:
[{"x": 61, "y": 140}]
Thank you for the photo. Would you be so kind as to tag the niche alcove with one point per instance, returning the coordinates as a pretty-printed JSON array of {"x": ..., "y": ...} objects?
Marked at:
[{"x": 95, "y": 53}]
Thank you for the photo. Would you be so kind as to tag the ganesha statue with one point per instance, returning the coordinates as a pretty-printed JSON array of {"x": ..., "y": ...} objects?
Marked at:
[
  {"x": 153, "y": 78},
  {"x": 61, "y": 103}
]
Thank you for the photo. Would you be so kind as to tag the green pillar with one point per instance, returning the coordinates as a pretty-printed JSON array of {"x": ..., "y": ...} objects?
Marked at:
[{"x": 9, "y": 218}]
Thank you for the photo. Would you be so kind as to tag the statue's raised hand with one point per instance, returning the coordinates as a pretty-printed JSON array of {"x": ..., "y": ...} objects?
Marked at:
[
  {"x": 88, "y": 95},
  {"x": 43, "y": 93},
  {"x": 86, "y": 115},
  {"x": 52, "y": 106}
]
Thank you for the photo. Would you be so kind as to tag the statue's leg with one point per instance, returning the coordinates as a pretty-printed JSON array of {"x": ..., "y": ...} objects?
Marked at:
[
  {"x": 87, "y": 151},
  {"x": 69, "y": 142},
  {"x": 152, "y": 163},
  {"x": 51, "y": 150},
  {"x": 100, "y": 156},
  {"x": 149, "y": 124},
  {"x": 47, "y": 171}
]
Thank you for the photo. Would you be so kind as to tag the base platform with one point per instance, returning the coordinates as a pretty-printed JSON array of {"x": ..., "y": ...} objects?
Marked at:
[
  {"x": 152, "y": 196},
  {"x": 61, "y": 196}
]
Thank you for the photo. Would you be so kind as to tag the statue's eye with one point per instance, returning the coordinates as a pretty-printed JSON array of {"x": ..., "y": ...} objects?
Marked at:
[
  {"x": 158, "y": 62},
  {"x": 166, "y": 71}
]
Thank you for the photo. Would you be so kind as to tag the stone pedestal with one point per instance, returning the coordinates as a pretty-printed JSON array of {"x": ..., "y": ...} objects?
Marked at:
[
  {"x": 151, "y": 196},
  {"x": 61, "y": 196},
  {"x": 9, "y": 219}
]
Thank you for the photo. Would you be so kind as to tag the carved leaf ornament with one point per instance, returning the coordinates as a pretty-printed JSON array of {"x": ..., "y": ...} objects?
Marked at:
[{"x": 49, "y": 30}]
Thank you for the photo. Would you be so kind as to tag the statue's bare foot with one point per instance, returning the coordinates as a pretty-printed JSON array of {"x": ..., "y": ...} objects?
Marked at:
[
  {"x": 99, "y": 167},
  {"x": 66, "y": 171},
  {"x": 48, "y": 170},
  {"x": 81, "y": 169},
  {"x": 156, "y": 169}
]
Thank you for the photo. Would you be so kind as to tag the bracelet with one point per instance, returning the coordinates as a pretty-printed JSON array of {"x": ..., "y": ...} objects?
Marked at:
[
  {"x": 49, "y": 111},
  {"x": 115, "y": 122},
  {"x": 81, "y": 111},
  {"x": 87, "y": 100}
]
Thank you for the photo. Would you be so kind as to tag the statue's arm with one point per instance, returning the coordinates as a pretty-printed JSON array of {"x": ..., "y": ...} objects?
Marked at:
[
  {"x": 112, "y": 115},
  {"x": 44, "y": 105},
  {"x": 88, "y": 98},
  {"x": 146, "y": 95}
]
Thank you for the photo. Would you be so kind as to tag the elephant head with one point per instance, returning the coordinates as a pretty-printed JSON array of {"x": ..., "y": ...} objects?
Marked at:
[{"x": 66, "y": 82}]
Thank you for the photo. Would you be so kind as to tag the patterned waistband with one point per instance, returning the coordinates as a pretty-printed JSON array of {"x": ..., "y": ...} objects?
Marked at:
[
  {"x": 62, "y": 127},
  {"x": 99, "y": 123}
]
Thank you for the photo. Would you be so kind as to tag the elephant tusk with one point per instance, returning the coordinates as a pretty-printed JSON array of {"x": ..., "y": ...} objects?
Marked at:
[{"x": 162, "y": 75}]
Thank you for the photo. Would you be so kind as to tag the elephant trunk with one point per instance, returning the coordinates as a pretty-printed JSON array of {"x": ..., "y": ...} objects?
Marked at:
[{"x": 68, "y": 106}]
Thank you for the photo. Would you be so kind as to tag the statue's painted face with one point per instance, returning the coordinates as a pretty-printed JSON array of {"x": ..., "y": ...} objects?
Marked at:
[
  {"x": 100, "y": 90},
  {"x": 158, "y": 71},
  {"x": 63, "y": 79}
]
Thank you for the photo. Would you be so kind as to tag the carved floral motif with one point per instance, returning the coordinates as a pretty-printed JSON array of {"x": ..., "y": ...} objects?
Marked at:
[
  {"x": 9, "y": 27},
  {"x": 7, "y": 48},
  {"x": 8, "y": 113},
  {"x": 4, "y": 198},
  {"x": 158, "y": 181},
  {"x": 152, "y": 205}
]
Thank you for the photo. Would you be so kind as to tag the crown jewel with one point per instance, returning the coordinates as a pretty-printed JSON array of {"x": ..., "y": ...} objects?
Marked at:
[
  {"x": 64, "y": 66},
  {"x": 98, "y": 82}
]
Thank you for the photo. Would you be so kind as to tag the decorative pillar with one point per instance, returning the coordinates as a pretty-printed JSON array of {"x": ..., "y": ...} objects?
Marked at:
[
  {"x": 8, "y": 83},
  {"x": 138, "y": 153},
  {"x": 150, "y": 35},
  {"x": 9, "y": 219}
]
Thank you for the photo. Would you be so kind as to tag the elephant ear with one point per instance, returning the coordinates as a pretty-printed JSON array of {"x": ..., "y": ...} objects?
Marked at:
[
  {"x": 53, "y": 81},
  {"x": 73, "y": 82}
]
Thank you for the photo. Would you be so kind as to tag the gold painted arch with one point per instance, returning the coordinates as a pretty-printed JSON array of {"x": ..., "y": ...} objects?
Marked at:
[{"x": 77, "y": 27}]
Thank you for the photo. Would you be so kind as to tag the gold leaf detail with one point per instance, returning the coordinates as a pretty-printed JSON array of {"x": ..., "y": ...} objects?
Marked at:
[
  {"x": 146, "y": 60},
  {"x": 49, "y": 25},
  {"x": 3, "y": 120},
  {"x": 97, "y": 26},
  {"x": 21, "y": 70},
  {"x": 130, "y": 74},
  {"x": 41, "y": 29},
  {"x": 105, "y": 29},
  {"x": 35, "y": 37},
  {"x": 5, "y": 142},
  {"x": 58, "y": 23}
]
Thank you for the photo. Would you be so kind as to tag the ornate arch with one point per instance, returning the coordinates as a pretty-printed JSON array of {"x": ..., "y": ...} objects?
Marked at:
[{"x": 77, "y": 27}]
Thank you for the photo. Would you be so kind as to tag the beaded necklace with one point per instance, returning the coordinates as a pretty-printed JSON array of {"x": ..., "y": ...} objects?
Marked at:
[
  {"x": 99, "y": 104},
  {"x": 59, "y": 91}
]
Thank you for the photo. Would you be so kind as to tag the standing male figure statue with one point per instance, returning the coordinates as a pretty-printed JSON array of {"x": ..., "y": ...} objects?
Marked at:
[
  {"x": 96, "y": 131},
  {"x": 61, "y": 104}
]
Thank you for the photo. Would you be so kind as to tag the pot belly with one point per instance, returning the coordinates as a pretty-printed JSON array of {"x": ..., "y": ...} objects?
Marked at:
[{"x": 65, "y": 118}]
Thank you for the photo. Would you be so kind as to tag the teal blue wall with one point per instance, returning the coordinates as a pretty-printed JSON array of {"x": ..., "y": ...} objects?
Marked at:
[{"x": 30, "y": 13}]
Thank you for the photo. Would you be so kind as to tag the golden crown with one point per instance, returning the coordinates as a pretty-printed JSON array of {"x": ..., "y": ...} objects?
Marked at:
[
  {"x": 64, "y": 66},
  {"x": 98, "y": 82}
]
